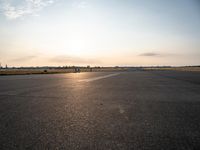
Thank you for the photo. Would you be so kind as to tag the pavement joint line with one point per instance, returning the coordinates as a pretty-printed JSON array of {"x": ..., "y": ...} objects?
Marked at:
[
  {"x": 29, "y": 96},
  {"x": 98, "y": 78}
]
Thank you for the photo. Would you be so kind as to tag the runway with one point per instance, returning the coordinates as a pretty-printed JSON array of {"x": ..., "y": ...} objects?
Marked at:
[{"x": 101, "y": 110}]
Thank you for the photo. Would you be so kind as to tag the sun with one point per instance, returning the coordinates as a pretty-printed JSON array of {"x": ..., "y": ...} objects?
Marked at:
[{"x": 77, "y": 47}]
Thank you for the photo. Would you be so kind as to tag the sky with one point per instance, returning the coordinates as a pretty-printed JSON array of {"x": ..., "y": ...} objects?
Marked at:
[{"x": 99, "y": 32}]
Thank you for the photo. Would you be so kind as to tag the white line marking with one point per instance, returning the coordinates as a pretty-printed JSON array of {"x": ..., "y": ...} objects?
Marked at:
[
  {"x": 98, "y": 78},
  {"x": 121, "y": 110}
]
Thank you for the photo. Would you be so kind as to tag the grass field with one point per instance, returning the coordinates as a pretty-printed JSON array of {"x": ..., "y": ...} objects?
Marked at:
[
  {"x": 54, "y": 71},
  {"x": 173, "y": 68},
  {"x": 102, "y": 69}
]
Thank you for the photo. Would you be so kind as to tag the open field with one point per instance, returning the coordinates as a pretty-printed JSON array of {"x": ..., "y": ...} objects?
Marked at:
[
  {"x": 174, "y": 68},
  {"x": 145, "y": 110},
  {"x": 33, "y": 71},
  {"x": 82, "y": 69},
  {"x": 55, "y": 71}
]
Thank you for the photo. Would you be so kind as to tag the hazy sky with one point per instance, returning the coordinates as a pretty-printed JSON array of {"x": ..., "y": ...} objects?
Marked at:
[{"x": 99, "y": 32}]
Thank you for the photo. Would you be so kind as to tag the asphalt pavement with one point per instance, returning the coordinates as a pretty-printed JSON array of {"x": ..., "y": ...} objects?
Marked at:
[{"x": 137, "y": 110}]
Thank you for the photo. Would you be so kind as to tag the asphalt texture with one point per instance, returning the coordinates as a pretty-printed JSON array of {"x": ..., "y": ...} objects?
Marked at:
[{"x": 137, "y": 110}]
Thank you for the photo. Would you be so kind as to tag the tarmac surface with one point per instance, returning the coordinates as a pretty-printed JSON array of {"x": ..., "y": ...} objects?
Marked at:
[{"x": 137, "y": 110}]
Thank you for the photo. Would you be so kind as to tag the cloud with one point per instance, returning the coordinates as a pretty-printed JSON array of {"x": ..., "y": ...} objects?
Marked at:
[
  {"x": 80, "y": 4},
  {"x": 24, "y": 59},
  {"x": 150, "y": 54},
  {"x": 157, "y": 54},
  {"x": 27, "y": 7},
  {"x": 73, "y": 60}
]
